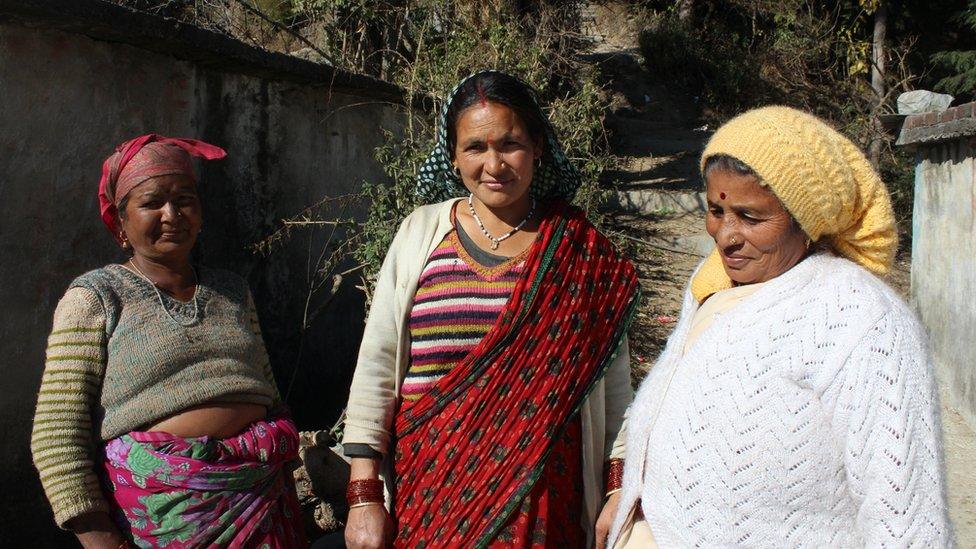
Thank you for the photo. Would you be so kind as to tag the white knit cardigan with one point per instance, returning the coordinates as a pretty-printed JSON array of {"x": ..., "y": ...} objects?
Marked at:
[{"x": 807, "y": 416}]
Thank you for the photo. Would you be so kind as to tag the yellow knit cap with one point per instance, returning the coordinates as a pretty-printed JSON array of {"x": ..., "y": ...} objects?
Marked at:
[{"x": 821, "y": 177}]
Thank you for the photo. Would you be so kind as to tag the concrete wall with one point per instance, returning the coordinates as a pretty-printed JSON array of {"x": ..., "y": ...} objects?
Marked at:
[
  {"x": 944, "y": 294},
  {"x": 944, "y": 265},
  {"x": 944, "y": 287},
  {"x": 66, "y": 100}
]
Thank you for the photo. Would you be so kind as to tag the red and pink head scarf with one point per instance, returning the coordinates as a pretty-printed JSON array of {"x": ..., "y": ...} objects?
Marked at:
[{"x": 143, "y": 158}]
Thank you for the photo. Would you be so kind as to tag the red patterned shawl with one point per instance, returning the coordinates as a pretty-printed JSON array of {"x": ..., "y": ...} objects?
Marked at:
[{"x": 470, "y": 450}]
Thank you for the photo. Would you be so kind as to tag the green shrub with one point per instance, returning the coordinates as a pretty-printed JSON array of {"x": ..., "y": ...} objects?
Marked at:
[
  {"x": 748, "y": 53},
  {"x": 959, "y": 64},
  {"x": 426, "y": 47},
  {"x": 530, "y": 45}
]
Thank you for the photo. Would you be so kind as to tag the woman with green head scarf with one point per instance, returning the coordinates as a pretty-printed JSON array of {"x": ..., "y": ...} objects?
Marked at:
[{"x": 494, "y": 370}]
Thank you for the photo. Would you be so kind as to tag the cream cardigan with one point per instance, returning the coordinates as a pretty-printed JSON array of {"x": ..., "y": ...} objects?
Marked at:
[
  {"x": 806, "y": 416},
  {"x": 384, "y": 357}
]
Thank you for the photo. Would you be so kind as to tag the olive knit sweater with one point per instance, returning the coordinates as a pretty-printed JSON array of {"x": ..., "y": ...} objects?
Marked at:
[{"x": 117, "y": 361}]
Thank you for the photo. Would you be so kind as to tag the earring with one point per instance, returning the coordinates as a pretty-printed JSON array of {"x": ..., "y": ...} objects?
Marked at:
[
  {"x": 538, "y": 162},
  {"x": 124, "y": 241},
  {"x": 457, "y": 172}
]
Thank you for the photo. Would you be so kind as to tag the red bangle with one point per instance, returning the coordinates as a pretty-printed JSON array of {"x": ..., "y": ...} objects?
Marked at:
[
  {"x": 366, "y": 490},
  {"x": 614, "y": 478}
]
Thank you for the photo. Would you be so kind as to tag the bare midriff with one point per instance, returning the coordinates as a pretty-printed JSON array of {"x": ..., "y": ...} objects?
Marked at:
[{"x": 214, "y": 419}]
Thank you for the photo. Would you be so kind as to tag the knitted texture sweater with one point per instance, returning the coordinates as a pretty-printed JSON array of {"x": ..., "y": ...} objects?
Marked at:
[
  {"x": 116, "y": 361},
  {"x": 807, "y": 416},
  {"x": 458, "y": 300}
]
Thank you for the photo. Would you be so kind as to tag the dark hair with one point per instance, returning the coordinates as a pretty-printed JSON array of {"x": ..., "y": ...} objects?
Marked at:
[
  {"x": 499, "y": 88},
  {"x": 728, "y": 164},
  {"x": 122, "y": 205}
]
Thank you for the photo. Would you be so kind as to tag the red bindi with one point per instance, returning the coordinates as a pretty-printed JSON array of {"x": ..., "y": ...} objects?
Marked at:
[{"x": 721, "y": 195}]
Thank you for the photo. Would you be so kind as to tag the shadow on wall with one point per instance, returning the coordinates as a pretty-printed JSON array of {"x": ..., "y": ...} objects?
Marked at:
[{"x": 292, "y": 137}]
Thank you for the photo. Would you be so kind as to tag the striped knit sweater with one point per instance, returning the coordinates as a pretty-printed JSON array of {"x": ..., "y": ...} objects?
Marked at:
[
  {"x": 116, "y": 362},
  {"x": 457, "y": 302}
]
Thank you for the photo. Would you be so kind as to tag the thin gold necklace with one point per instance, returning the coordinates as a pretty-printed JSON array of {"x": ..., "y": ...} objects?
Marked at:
[{"x": 159, "y": 295}]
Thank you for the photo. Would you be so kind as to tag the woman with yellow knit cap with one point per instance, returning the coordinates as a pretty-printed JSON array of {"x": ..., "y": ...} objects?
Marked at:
[{"x": 795, "y": 402}]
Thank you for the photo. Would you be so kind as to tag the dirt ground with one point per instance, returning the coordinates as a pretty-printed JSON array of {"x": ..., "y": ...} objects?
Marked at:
[
  {"x": 960, "y": 452},
  {"x": 663, "y": 276}
]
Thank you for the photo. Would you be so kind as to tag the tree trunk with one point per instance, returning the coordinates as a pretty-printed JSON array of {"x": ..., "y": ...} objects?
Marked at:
[
  {"x": 685, "y": 8},
  {"x": 878, "y": 81}
]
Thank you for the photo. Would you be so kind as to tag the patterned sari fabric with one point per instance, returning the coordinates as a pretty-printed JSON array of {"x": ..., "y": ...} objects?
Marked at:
[
  {"x": 472, "y": 448},
  {"x": 551, "y": 514},
  {"x": 177, "y": 492}
]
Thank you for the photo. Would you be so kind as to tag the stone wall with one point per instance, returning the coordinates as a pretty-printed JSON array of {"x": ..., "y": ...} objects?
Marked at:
[
  {"x": 79, "y": 76},
  {"x": 944, "y": 245}
]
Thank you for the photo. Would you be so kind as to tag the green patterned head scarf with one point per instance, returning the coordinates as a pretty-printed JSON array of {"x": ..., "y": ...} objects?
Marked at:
[{"x": 555, "y": 178}]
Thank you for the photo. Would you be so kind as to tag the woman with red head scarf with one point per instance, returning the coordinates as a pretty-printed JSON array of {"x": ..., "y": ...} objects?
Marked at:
[{"x": 158, "y": 420}]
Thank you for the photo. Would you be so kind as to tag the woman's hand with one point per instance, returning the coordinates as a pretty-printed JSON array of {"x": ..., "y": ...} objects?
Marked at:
[
  {"x": 369, "y": 527},
  {"x": 96, "y": 531},
  {"x": 605, "y": 521}
]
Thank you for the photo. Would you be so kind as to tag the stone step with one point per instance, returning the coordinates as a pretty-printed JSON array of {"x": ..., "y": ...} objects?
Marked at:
[
  {"x": 700, "y": 244},
  {"x": 655, "y": 117},
  {"x": 639, "y": 125},
  {"x": 635, "y": 137},
  {"x": 626, "y": 118},
  {"x": 659, "y": 202},
  {"x": 655, "y": 146},
  {"x": 672, "y": 172},
  {"x": 625, "y": 182},
  {"x": 621, "y": 61},
  {"x": 667, "y": 231}
]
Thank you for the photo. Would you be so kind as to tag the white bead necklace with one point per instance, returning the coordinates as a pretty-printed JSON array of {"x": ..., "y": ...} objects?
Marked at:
[
  {"x": 196, "y": 287},
  {"x": 496, "y": 241}
]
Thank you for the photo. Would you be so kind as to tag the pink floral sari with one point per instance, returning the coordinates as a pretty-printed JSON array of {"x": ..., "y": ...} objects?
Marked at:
[{"x": 177, "y": 492}]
